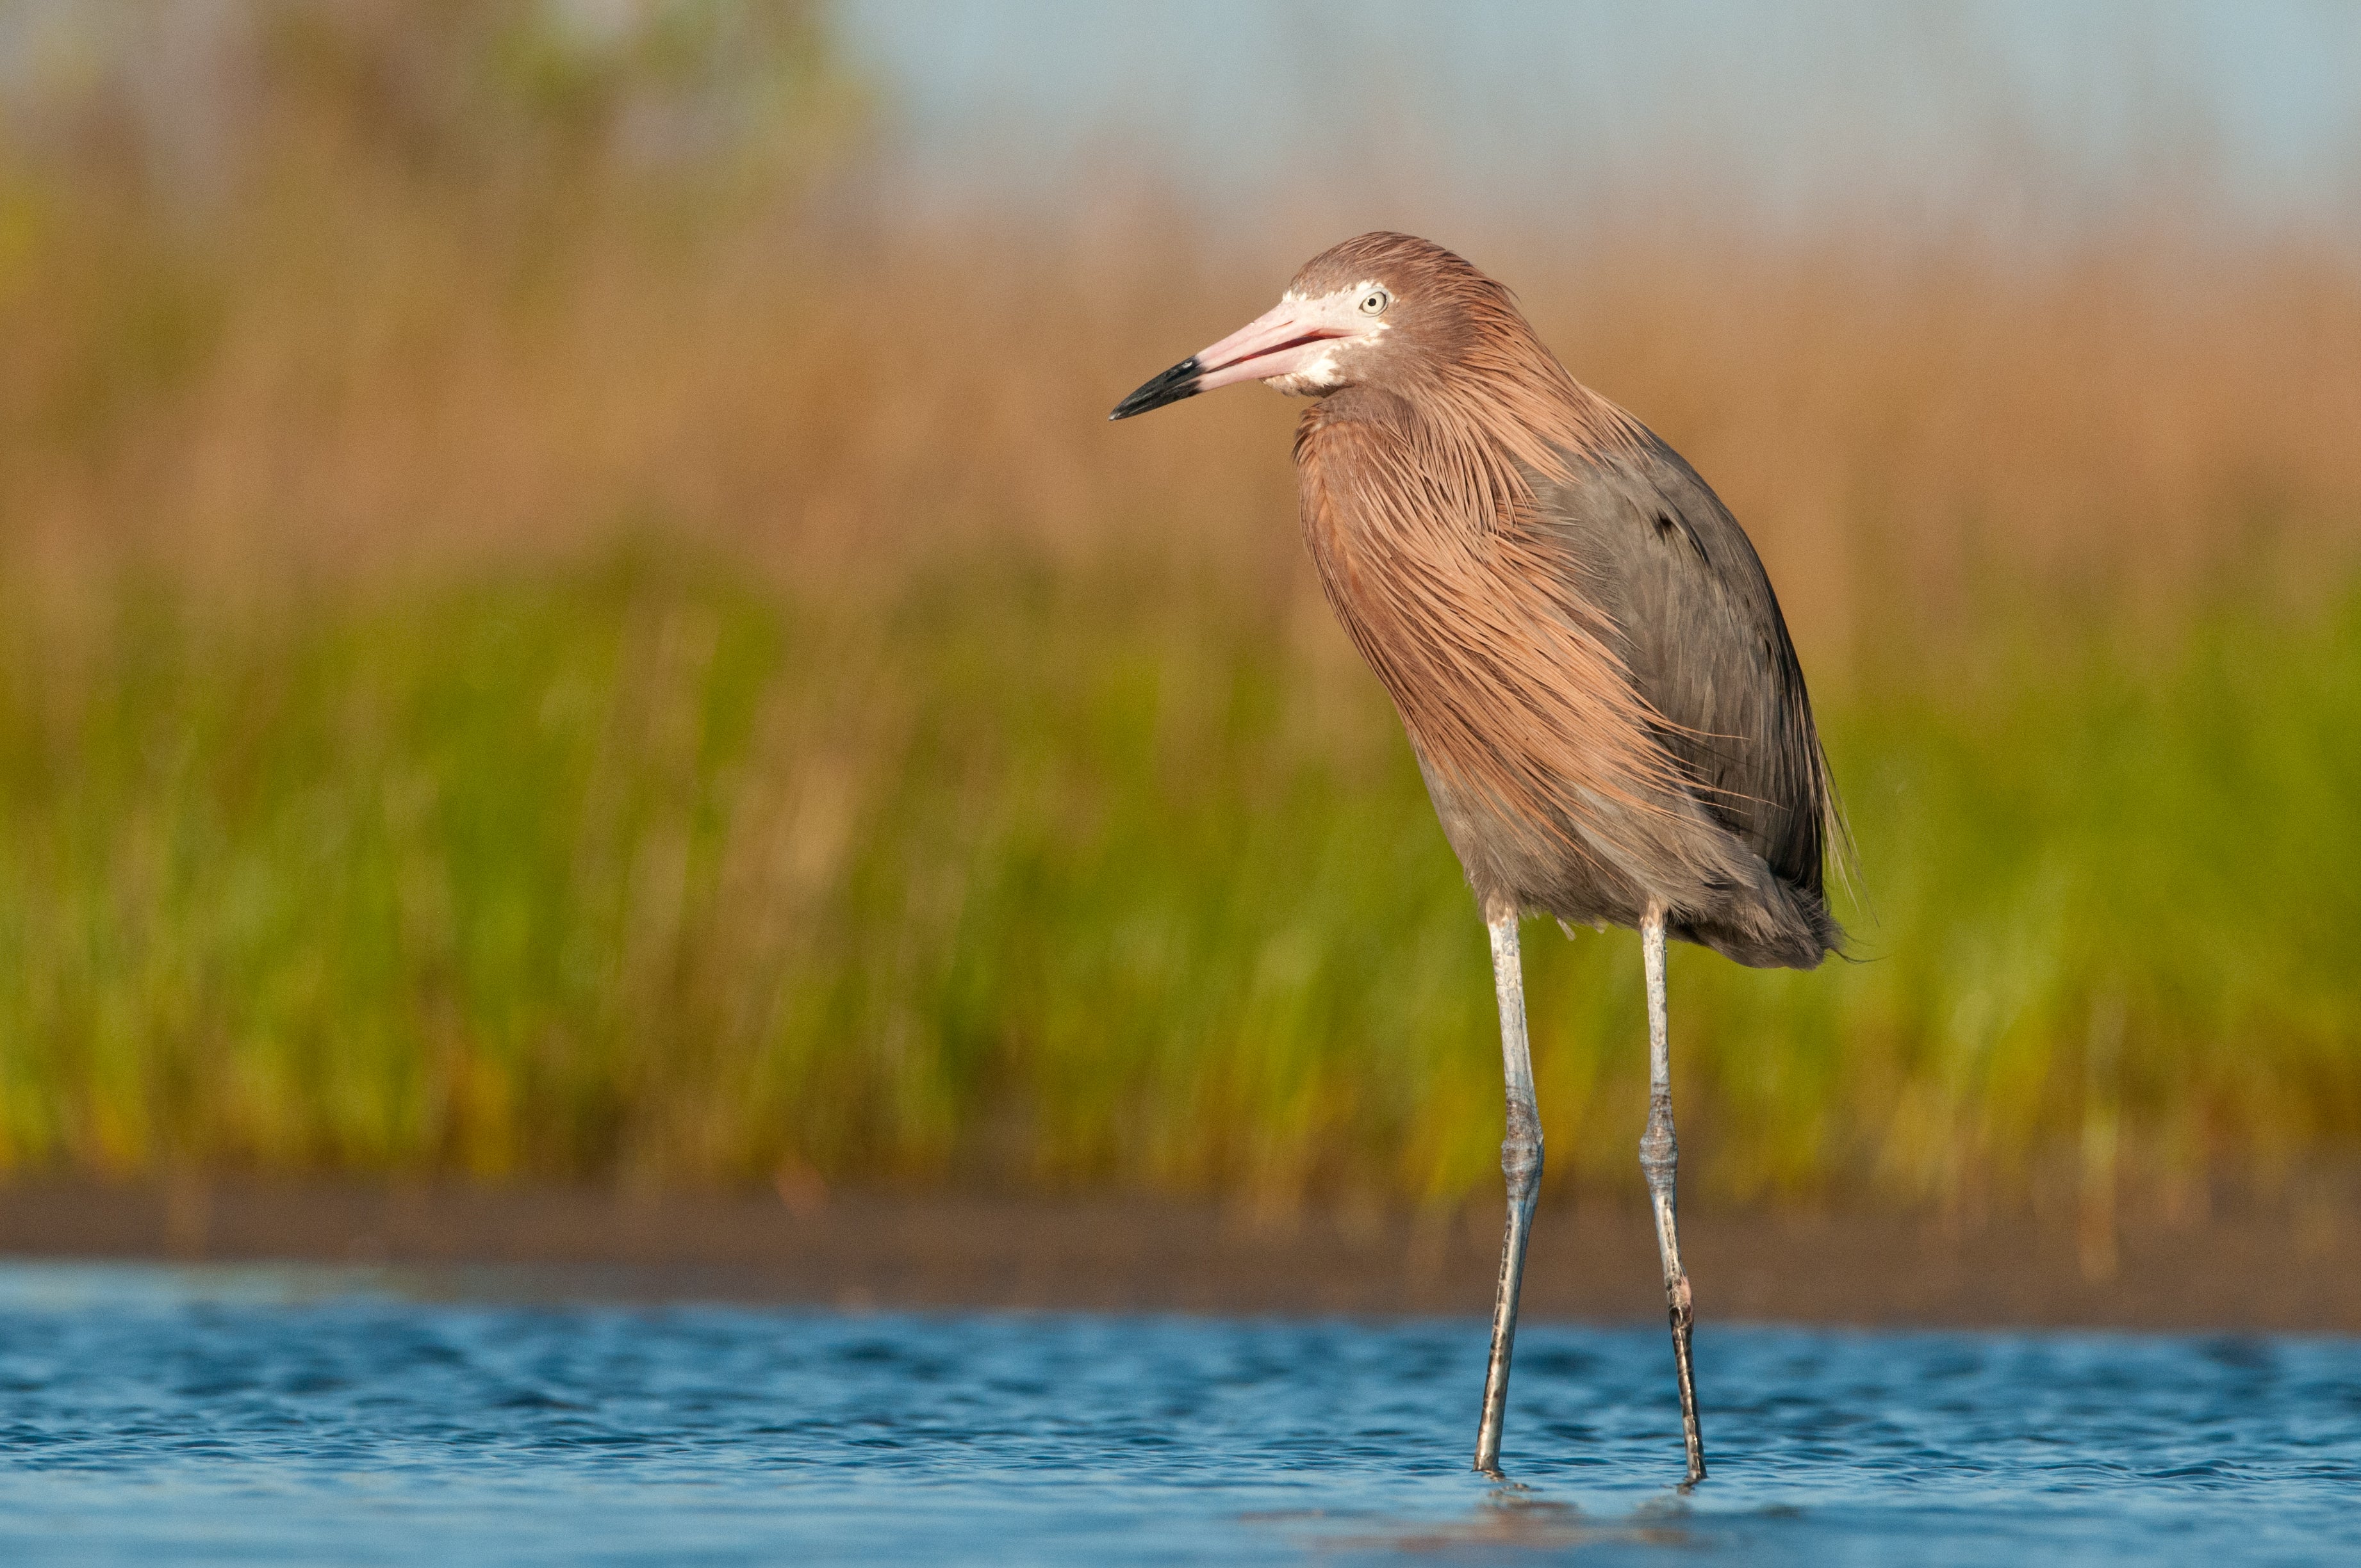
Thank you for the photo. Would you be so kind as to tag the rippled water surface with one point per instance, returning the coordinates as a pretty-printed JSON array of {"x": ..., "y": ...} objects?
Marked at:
[{"x": 289, "y": 1416}]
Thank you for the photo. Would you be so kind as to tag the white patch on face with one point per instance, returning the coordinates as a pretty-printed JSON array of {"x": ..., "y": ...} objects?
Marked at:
[
  {"x": 1341, "y": 308},
  {"x": 1319, "y": 376}
]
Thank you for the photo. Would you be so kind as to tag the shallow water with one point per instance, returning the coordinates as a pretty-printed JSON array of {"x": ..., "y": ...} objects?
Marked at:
[{"x": 158, "y": 1414}]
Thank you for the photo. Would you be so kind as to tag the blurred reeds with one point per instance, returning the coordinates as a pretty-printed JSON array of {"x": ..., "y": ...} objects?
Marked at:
[{"x": 545, "y": 631}]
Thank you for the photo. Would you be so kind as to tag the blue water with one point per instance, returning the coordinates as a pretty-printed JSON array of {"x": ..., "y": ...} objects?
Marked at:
[{"x": 163, "y": 1415}]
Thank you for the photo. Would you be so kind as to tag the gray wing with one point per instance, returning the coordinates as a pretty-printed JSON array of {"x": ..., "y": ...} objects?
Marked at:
[{"x": 1646, "y": 541}]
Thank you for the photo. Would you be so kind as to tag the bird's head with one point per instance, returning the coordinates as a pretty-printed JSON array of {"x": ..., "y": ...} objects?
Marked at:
[{"x": 1375, "y": 308}]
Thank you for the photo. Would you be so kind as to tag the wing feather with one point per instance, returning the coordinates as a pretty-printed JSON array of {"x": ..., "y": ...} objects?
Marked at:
[{"x": 1698, "y": 629}]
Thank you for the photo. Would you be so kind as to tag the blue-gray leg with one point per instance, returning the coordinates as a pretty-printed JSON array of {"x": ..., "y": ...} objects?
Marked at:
[
  {"x": 1659, "y": 1154},
  {"x": 1520, "y": 1162}
]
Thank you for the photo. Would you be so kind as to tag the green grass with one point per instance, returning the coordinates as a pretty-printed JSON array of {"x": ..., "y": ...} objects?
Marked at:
[{"x": 648, "y": 874}]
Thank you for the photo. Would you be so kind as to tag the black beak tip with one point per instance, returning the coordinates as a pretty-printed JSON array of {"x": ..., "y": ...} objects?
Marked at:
[{"x": 1173, "y": 385}]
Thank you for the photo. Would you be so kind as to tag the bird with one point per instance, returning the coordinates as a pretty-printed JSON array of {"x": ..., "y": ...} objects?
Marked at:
[{"x": 1584, "y": 652}]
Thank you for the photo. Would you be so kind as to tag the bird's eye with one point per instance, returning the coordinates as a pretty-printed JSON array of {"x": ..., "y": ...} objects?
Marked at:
[{"x": 1375, "y": 302}]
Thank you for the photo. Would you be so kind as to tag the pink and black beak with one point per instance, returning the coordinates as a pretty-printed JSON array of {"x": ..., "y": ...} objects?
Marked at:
[
  {"x": 1183, "y": 381},
  {"x": 1287, "y": 340}
]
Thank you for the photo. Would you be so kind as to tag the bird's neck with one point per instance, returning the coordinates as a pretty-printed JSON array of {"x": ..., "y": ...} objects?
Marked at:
[
  {"x": 1513, "y": 396},
  {"x": 1486, "y": 425}
]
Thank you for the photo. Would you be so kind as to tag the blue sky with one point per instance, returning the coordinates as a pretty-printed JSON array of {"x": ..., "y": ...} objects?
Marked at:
[{"x": 2043, "y": 110}]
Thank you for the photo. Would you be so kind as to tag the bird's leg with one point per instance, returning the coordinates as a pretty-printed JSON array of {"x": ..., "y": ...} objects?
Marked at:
[
  {"x": 1658, "y": 1153},
  {"x": 1520, "y": 1162}
]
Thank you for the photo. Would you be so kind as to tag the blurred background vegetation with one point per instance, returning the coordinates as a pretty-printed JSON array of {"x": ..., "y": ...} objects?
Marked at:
[{"x": 555, "y": 623}]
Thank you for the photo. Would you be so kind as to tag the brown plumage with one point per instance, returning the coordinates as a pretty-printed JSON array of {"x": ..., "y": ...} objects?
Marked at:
[{"x": 1581, "y": 643}]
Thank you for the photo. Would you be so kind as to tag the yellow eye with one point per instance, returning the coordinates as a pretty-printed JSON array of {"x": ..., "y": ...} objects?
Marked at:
[{"x": 1375, "y": 302}]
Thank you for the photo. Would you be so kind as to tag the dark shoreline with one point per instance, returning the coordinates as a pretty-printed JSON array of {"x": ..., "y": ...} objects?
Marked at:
[{"x": 1594, "y": 1262}]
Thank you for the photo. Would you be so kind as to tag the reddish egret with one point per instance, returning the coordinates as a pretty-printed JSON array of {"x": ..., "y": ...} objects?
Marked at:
[{"x": 1583, "y": 646}]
